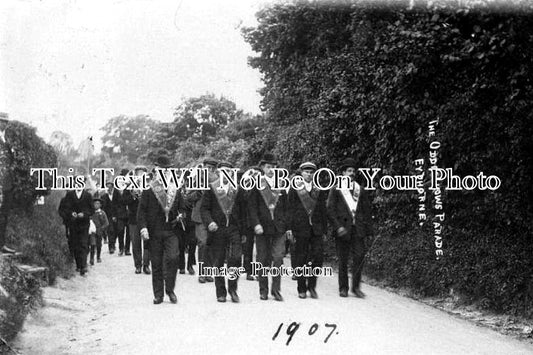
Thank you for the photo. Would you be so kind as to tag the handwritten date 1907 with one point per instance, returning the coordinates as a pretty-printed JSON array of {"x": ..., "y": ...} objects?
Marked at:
[{"x": 293, "y": 328}]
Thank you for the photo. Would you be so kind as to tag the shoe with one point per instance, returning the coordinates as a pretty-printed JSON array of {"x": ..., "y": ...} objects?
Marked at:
[
  {"x": 91, "y": 262},
  {"x": 111, "y": 251},
  {"x": 201, "y": 280},
  {"x": 172, "y": 297},
  {"x": 98, "y": 260},
  {"x": 302, "y": 295},
  {"x": 234, "y": 297},
  {"x": 358, "y": 293},
  {"x": 209, "y": 279},
  {"x": 313, "y": 293},
  {"x": 146, "y": 270},
  {"x": 250, "y": 278},
  {"x": 121, "y": 252},
  {"x": 343, "y": 293},
  {"x": 263, "y": 296},
  {"x": 158, "y": 300},
  {"x": 78, "y": 269},
  {"x": 128, "y": 253},
  {"x": 83, "y": 271},
  {"x": 277, "y": 296},
  {"x": 221, "y": 299},
  {"x": 182, "y": 271},
  {"x": 137, "y": 270},
  {"x": 191, "y": 270},
  {"x": 294, "y": 278}
]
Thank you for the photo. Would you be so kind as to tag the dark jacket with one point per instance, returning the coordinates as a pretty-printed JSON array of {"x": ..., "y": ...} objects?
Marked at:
[
  {"x": 107, "y": 206},
  {"x": 260, "y": 214},
  {"x": 151, "y": 215},
  {"x": 83, "y": 204},
  {"x": 120, "y": 206},
  {"x": 131, "y": 200},
  {"x": 100, "y": 222},
  {"x": 62, "y": 211},
  {"x": 190, "y": 199},
  {"x": 339, "y": 214},
  {"x": 211, "y": 211},
  {"x": 298, "y": 218}
]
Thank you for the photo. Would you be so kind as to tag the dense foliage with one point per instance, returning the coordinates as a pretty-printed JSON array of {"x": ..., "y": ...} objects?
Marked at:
[
  {"x": 365, "y": 81},
  {"x": 27, "y": 150}
]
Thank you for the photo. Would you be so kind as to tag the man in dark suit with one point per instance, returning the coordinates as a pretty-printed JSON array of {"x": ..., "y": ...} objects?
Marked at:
[
  {"x": 267, "y": 215},
  {"x": 223, "y": 213},
  {"x": 204, "y": 251},
  {"x": 349, "y": 212},
  {"x": 65, "y": 216},
  {"x": 158, "y": 214},
  {"x": 140, "y": 248},
  {"x": 109, "y": 209},
  {"x": 248, "y": 244},
  {"x": 188, "y": 242},
  {"x": 307, "y": 226},
  {"x": 120, "y": 207},
  {"x": 79, "y": 209}
]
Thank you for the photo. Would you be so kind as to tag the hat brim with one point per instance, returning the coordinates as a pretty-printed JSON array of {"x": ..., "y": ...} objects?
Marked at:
[
  {"x": 344, "y": 167},
  {"x": 271, "y": 162}
]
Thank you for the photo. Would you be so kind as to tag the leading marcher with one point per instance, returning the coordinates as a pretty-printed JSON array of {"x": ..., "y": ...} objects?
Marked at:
[
  {"x": 158, "y": 216},
  {"x": 223, "y": 212},
  {"x": 267, "y": 209},
  {"x": 307, "y": 226},
  {"x": 349, "y": 212},
  {"x": 78, "y": 207}
]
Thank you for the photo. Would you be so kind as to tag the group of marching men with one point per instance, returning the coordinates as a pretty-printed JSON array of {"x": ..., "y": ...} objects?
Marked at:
[{"x": 164, "y": 224}]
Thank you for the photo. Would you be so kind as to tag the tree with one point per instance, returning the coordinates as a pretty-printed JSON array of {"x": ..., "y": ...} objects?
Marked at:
[
  {"x": 199, "y": 118},
  {"x": 128, "y": 136}
]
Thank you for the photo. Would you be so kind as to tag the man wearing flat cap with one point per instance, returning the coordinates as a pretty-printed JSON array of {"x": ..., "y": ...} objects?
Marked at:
[
  {"x": 267, "y": 209},
  {"x": 204, "y": 252},
  {"x": 307, "y": 226},
  {"x": 222, "y": 210},
  {"x": 140, "y": 248},
  {"x": 158, "y": 215},
  {"x": 349, "y": 212}
]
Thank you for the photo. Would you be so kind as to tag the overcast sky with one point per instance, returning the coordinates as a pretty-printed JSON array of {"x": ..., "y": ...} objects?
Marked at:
[{"x": 72, "y": 65}]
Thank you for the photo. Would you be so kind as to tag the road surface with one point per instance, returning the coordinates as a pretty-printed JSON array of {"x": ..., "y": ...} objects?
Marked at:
[{"x": 110, "y": 311}]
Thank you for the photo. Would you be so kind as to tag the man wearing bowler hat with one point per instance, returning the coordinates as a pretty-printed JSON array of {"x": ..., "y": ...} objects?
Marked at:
[
  {"x": 158, "y": 214},
  {"x": 223, "y": 212},
  {"x": 307, "y": 226},
  {"x": 267, "y": 216},
  {"x": 349, "y": 212}
]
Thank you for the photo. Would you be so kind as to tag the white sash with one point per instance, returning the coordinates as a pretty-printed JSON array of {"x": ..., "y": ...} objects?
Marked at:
[{"x": 352, "y": 199}]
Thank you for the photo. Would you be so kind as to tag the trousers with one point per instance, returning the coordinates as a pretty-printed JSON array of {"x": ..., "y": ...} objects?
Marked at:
[{"x": 164, "y": 249}]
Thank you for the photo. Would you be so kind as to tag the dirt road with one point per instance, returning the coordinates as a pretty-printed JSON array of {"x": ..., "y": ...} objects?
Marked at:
[{"x": 110, "y": 311}]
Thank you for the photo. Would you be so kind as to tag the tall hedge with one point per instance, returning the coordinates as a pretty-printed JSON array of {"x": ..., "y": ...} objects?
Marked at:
[
  {"x": 27, "y": 150},
  {"x": 365, "y": 81}
]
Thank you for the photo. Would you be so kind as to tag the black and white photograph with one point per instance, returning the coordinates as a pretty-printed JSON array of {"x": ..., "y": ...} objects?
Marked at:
[{"x": 266, "y": 177}]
